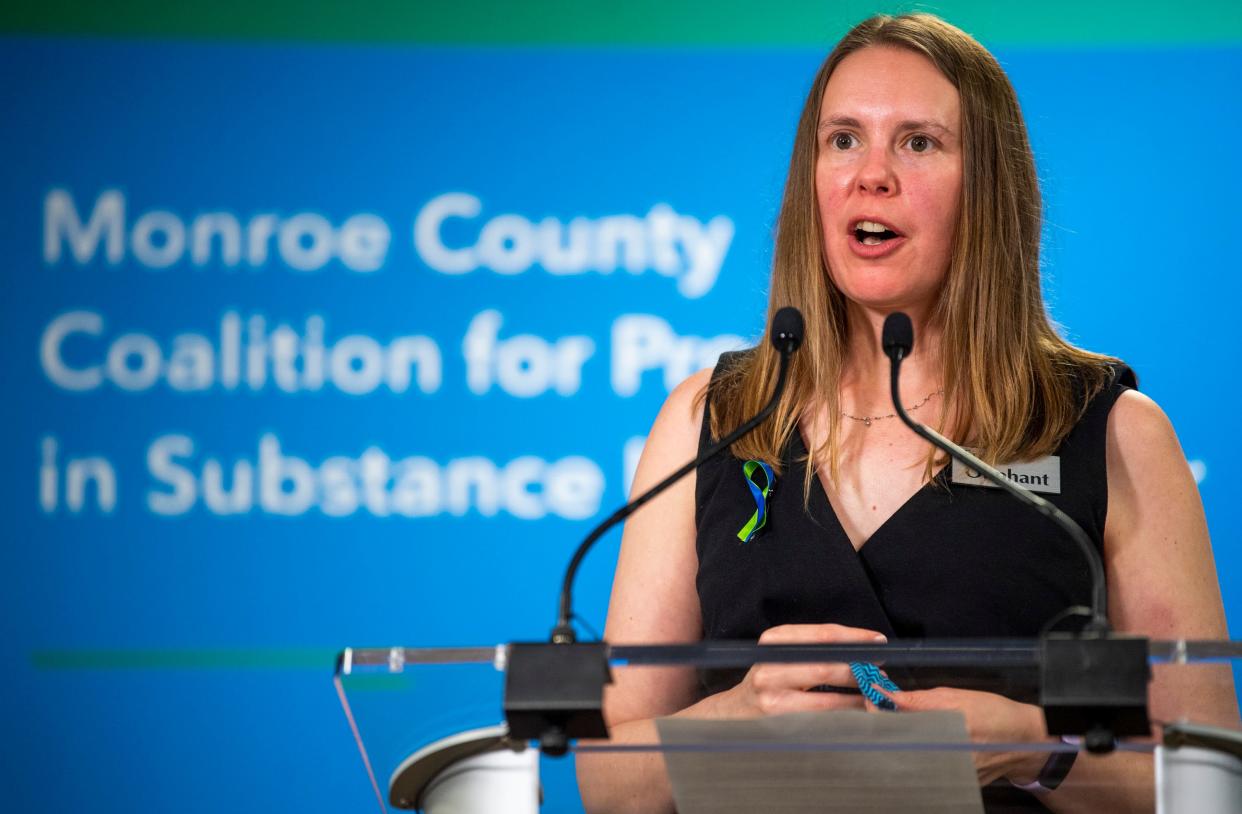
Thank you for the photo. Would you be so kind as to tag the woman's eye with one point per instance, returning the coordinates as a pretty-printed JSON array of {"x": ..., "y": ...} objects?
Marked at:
[
  {"x": 843, "y": 141},
  {"x": 920, "y": 144}
]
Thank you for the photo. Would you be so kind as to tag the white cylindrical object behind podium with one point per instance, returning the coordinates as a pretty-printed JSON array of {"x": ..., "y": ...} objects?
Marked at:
[
  {"x": 1195, "y": 780},
  {"x": 499, "y": 782},
  {"x": 474, "y": 772}
]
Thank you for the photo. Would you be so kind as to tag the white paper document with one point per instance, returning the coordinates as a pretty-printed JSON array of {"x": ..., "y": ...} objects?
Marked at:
[{"x": 801, "y": 762}]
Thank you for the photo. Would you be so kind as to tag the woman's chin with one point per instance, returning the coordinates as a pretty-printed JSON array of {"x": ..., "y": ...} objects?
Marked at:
[{"x": 888, "y": 298}]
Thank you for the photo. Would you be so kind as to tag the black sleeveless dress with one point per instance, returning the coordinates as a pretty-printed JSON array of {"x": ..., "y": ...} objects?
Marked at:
[{"x": 954, "y": 561}]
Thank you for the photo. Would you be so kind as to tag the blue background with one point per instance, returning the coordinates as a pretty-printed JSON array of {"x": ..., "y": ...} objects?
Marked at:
[{"x": 1137, "y": 153}]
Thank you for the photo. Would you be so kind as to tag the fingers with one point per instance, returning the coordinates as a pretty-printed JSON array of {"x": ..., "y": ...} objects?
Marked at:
[
  {"x": 781, "y": 688},
  {"x": 768, "y": 677},
  {"x": 907, "y": 701},
  {"x": 778, "y": 688},
  {"x": 938, "y": 698},
  {"x": 820, "y": 634},
  {"x": 783, "y": 701}
]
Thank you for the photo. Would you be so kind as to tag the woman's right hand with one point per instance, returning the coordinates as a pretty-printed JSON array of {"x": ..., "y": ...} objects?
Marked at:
[{"x": 772, "y": 689}]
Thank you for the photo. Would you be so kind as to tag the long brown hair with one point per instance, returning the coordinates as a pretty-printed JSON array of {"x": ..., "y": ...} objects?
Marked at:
[{"x": 1017, "y": 388}]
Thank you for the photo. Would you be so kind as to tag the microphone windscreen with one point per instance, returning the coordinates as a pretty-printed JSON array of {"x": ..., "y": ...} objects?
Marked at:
[
  {"x": 787, "y": 328},
  {"x": 898, "y": 334}
]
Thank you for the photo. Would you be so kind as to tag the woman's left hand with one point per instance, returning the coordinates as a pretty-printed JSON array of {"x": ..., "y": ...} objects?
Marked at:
[{"x": 990, "y": 718}]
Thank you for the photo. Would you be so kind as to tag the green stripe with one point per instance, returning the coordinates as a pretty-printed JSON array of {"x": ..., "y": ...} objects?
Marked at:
[
  {"x": 728, "y": 23},
  {"x": 287, "y": 659},
  {"x": 321, "y": 660}
]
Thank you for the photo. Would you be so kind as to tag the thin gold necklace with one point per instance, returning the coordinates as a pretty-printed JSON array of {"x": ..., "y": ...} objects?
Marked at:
[{"x": 866, "y": 420}]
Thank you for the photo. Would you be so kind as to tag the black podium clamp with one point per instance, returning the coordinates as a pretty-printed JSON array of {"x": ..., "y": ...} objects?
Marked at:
[
  {"x": 554, "y": 693},
  {"x": 1095, "y": 686}
]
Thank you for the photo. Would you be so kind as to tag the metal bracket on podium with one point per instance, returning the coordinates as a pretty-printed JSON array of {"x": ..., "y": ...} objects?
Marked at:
[
  {"x": 555, "y": 692},
  {"x": 1095, "y": 685}
]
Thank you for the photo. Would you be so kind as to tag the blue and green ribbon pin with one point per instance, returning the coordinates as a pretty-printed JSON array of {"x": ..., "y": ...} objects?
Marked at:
[{"x": 760, "y": 493}]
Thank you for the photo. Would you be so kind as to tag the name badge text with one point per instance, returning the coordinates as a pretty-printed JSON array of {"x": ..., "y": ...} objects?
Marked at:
[{"x": 1043, "y": 475}]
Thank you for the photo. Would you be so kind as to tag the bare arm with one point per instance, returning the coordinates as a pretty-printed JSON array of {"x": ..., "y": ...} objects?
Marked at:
[
  {"x": 653, "y": 600},
  {"x": 1162, "y": 584}
]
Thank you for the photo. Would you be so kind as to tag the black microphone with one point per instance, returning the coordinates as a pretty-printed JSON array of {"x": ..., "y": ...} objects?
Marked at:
[
  {"x": 1093, "y": 684},
  {"x": 897, "y": 338},
  {"x": 786, "y": 336}
]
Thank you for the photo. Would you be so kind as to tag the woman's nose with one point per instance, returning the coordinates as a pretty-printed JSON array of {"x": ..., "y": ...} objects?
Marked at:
[{"x": 875, "y": 174}]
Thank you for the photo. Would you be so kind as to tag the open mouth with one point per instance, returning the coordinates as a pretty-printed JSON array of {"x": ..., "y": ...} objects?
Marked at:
[{"x": 871, "y": 233}]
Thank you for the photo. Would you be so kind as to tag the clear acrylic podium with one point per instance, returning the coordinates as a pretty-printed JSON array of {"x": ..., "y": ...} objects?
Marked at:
[{"x": 430, "y": 728}]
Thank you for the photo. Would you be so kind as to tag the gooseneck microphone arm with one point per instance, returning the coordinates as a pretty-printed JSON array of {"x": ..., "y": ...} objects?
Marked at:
[
  {"x": 898, "y": 341},
  {"x": 786, "y": 336}
]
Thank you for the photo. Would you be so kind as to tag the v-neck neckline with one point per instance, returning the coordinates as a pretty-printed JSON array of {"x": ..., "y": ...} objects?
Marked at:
[{"x": 832, "y": 512}]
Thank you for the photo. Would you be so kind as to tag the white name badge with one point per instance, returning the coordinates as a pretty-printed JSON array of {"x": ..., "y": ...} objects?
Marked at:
[{"x": 1043, "y": 475}]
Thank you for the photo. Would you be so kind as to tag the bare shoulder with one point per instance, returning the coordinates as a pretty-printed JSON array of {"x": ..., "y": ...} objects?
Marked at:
[
  {"x": 1137, "y": 422},
  {"x": 1145, "y": 460},
  {"x": 677, "y": 426}
]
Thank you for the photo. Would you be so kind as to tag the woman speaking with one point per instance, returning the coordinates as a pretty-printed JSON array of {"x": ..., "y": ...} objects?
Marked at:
[{"x": 911, "y": 188}]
